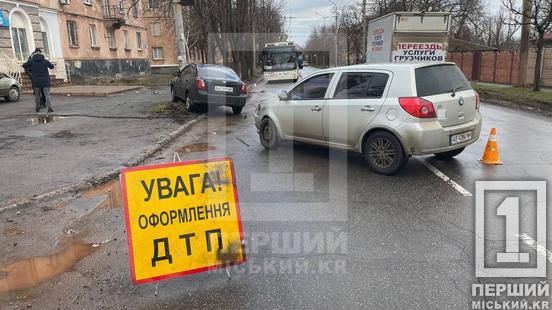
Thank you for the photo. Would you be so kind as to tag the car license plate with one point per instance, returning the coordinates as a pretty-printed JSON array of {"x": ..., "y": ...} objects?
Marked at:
[
  {"x": 462, "y": 137},
  {"x": 224, "y": 89}
]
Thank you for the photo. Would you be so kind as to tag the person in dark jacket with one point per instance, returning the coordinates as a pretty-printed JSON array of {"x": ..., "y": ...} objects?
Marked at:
[{"x": 37, "y": 68}]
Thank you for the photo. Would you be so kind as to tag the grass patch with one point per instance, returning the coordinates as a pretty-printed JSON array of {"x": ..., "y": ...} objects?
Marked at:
[
  {"x": 167, "y": 108},
  {"x": 516, "y": 94}
]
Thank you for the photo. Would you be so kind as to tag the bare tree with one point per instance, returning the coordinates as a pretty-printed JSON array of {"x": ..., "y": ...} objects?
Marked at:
[{"x": 540, "y": 18}]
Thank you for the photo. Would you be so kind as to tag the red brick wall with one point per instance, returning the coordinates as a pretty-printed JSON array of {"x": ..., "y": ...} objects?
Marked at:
[{"x": 504, "y": 69}]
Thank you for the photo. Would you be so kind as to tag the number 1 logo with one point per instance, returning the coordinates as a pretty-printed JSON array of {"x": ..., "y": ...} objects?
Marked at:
[{"x": 509, "y": 209}]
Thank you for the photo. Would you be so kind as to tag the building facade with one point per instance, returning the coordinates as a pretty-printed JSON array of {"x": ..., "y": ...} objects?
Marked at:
[{"x": 83, "y": 38}]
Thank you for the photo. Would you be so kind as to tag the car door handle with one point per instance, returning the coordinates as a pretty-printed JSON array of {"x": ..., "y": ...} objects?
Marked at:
[
  {"x": 368, "y": 109},
  {"x": 316, "y": 109}
]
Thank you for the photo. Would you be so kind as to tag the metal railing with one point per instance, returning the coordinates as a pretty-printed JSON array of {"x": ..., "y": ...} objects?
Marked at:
[
  {"x": 10, "y": 66},
  {"x": 113, "y": 12}
]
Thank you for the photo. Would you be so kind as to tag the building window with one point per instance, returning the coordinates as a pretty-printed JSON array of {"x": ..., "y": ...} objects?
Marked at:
[
  {"x": 21, "y": 35},
  {"x": 111, "y": 38},
  {"x": 88, "y": 2},
  {"x": 120, "y": 4},
  {"x": 44, "y": 32},
  {"x": 135, "y": 4},
  {"x": 158, "y": 53},
  {"x": 72, "y": 33},
  {"x": 153, "y": 4},
  {"x": 93, "y": 36},
  {"x": 156, "y": 29},
  {"x": 127, "y": 43},
  {"x": 139, "y": 41}
]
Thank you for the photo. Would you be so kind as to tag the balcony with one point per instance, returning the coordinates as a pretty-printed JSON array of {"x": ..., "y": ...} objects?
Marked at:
[{"x": 114, "y": 15}]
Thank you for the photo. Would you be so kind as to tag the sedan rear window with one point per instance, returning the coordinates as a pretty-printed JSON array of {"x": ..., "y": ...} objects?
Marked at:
[
  {"x": 217, "y": 73},
  {"x": 440, "y": 79}
]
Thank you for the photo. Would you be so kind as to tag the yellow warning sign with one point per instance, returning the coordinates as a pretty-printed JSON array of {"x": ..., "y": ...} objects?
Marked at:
[{"x": 182, "y": 218}]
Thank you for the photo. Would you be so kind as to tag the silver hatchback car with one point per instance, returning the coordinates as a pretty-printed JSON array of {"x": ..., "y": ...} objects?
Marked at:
[{"x": 388, "y": 112}]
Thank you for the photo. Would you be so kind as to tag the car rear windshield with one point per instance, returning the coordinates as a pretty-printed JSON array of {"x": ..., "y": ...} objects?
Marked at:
[
  {"x": 440, "y": 79},
  {"x": 209, "y": 72}
]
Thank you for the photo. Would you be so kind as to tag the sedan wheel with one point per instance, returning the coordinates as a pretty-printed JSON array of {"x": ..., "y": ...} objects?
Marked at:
[
  {"x": 384, "y": 153},
  {"x": 268, "y": 134},
  {"x": 14, "y": 94},
  {"x": 173, "y": 95},
  {"x": 190, "y": 106}
]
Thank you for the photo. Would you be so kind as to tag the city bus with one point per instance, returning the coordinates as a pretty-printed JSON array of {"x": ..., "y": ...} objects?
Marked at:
[{"x": 280, "y": 62}]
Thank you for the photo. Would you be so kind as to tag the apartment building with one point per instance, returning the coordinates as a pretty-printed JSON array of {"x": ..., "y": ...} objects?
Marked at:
[{"x": 83, "y": 38}]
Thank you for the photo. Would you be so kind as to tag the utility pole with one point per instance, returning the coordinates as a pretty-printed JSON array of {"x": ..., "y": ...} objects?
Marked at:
[
  {"x": 253, "y": 15},
  {"x": 524, "y": 49},
  {"x": 364, "y": 29},
  {"x": 336, "y": 32},
  {"x": 179, "y": 29}
]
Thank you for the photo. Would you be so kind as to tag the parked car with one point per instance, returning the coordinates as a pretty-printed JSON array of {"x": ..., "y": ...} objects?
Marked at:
[
  {"x": 207, "y": 86},
  {"x": 388, "y": 112},
  {"x": 10, "y": 89}
]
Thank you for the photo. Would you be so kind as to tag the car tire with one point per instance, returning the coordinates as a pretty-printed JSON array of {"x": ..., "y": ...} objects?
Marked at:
[
  {"x": 190, "y": 105},
  {"x": 384, "y": 153},
  {"x": 13, "y": 94},
  {"x": 450, "y": 154},
  {"x": 173, "y": 95},
  {"x": 268, "y": 134},
  {"x": 237, "y": 110}
]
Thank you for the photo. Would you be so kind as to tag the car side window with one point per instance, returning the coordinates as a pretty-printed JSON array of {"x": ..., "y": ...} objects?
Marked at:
[
  {"x": 361, "y": 85},
  {"x": 313, "y": 88}
]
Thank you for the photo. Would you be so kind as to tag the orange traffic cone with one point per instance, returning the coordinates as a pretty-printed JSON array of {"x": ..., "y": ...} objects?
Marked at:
[{"x": 490, "y": 157}]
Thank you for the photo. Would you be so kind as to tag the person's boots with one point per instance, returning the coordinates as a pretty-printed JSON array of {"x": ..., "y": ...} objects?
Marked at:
[
  {"x": 37, "y": 109},
  {"x": 50, "y": 110}
]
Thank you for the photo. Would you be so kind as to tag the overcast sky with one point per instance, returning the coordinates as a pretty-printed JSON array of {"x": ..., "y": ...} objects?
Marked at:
[{"x": 304, "y": 17}]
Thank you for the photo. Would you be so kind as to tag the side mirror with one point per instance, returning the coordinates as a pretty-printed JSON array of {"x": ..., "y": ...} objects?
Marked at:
[{"x": 283, "y": 95}]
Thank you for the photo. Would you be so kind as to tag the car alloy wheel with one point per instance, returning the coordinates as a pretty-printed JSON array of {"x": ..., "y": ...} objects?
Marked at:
[
  {"x": 13, "y": 94},
  {"x": 382, "y": 153}
]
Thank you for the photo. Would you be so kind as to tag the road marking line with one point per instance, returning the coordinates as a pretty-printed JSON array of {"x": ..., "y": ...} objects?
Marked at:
[
  {"x": 445, "y": 178},
  {"x": 541, "y": 249}
]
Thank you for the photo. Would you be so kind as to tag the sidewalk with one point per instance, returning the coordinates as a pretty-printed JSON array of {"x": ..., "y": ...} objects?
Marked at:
[{"x": 84, "y": 138}]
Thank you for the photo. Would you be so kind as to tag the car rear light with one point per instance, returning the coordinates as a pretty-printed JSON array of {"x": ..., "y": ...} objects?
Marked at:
[
  {"x": 477, "y": 101},
  {"x": 418, "y": 107},
  {"x": 244, "y": 88},
  {"x": 200, "y": 84}
]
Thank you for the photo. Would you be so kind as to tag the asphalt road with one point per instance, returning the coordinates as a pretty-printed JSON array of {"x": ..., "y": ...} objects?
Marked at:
[
  {"x": 85, "y": 137},
  {"x": 322, "y": 231}
]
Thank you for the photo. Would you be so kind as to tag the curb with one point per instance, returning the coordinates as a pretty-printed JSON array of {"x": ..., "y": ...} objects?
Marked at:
[
  {"x": 103, "y": 178},
  {"x": 91, "y": 94}
]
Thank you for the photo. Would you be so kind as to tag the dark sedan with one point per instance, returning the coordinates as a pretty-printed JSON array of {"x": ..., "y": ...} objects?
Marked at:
[{"x": 202, "y": 86}]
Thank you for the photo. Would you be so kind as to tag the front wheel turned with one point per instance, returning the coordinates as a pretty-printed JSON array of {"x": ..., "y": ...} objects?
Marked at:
[
  {"x": 173, "y": 95},
  {"x": 384, "y": 153},
  {"x": 190, "y": 106},
  {"x": 268, "y": 134}
]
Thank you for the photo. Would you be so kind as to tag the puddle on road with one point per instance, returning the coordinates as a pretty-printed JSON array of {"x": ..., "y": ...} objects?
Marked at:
[
  {"x": 112, "y": 189},
  {"x": 30, "y": 272},
  {"x": 45, "y": 119},
  {"x": 193, "y": 148}
]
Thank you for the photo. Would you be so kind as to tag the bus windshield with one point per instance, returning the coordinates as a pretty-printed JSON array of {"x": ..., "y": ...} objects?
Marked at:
[{"x": 280, "y": 61}]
